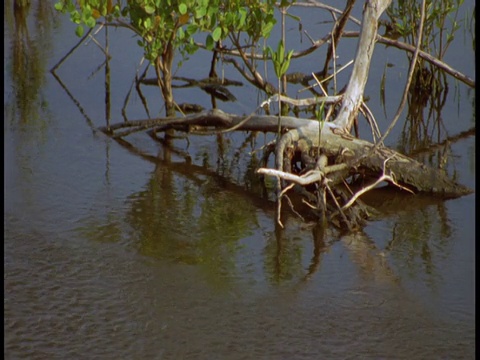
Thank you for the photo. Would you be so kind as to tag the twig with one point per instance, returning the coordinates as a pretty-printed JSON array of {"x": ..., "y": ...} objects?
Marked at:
[
  {"x": 384, "y": 177},
  {"x": 279, "y": 203},
  {"x": 409, "y": 80},
  {"x": 330, "y": 76},
  {"x": 371, "y": 121},
  {"x": 335, "y": 39},
  {"x": 426, "y": 56},
  {"x": 334, "y": 54},
  {"x": 137, "y": 87},
  {"x": 313, "y": 3},
  {"x": 60, "y": 62},
  {"x": 97, "y": 43},
  {"x": 338, "y": 206},
  {"x": 305, "y": 179},
  {"x": 319, "y": 83},
  {"x": 302, "y": 102},
  {"x": 286, "y": 189},
  {"x": 293, "y": 209}
]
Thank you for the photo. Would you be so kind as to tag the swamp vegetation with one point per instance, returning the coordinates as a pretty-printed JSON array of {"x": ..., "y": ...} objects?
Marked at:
[
  {"x": 319, "y": 163},
  {"x": 155, "y": 236}
]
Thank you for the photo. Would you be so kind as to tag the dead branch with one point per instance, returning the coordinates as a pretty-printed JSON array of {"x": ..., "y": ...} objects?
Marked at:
[
  {"x": 337, "y": 33},
  {"x": 426, "y": 56},
  {"x": 409, "y": 77},
  {"x": 382, "y": 178}
]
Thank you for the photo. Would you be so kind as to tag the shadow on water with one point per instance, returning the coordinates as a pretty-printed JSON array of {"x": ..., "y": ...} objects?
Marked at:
[{"x": 30, "y": 46}]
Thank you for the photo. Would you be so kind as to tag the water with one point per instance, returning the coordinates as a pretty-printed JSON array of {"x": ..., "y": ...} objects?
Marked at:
[{"x": 108, "y": 254}]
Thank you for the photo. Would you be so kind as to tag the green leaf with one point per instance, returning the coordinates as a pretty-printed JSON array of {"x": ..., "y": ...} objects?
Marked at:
[
  {"x": 294, "y": 17},
  {"x": 59, "y": 6},
  {"x": 147, "y": 23},
  {"x": 180, "y": 33},
  {"x": 182, "y": 9},
  {"x": 209, "y": 43},
  {"x": 90, "y": 22},
  {"x": 277, "y": 68},
  {"x": 79, "y": 31},
  {"x": 285, "y": 3},
  {"x": 216, "y": 34},
  {"x": 284, "y": 68},
  {"x": 200, "y": 12},
  {"x": 289, "y": 55},
  {"x": 230, "y": 19},
  {"x": 149, "y": 9},
  {"x": 280, "y": 51},
  {"x": 243, "y": 17},
  {"x": 267, "y": 28},
  {"x": 191, "y": 29}
]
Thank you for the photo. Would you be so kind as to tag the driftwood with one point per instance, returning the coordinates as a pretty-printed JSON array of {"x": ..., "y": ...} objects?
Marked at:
[{"x": 407, "y": 171}]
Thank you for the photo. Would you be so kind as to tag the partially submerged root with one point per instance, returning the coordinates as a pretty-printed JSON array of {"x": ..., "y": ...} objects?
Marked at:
[
  {"x": 298, "y": 162},
  {"x": 322, "y": 179}
]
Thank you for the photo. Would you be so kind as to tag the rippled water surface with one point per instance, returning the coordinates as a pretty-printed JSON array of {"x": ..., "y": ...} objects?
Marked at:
[{"x": 113, "y": 255}]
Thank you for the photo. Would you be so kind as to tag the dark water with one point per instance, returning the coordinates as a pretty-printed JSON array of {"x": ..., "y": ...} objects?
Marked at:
[{"x": 108, "y": 254}]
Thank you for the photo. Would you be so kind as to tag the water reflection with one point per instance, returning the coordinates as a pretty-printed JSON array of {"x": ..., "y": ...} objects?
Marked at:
[
  {"x": 31, "y": 43},
  {"x": 177, "y": 219},
  {"x": 193, "y": 214}
]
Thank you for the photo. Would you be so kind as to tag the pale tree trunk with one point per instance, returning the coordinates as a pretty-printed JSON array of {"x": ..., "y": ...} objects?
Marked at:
[{"x": 353, "y": 96}]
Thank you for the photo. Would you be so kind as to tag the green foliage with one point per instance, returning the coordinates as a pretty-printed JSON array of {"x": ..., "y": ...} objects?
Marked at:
[
  {"x": 281, "y": 62},
  {"x": 172, "y": 24},
  {"x": 440, "y": 22},
  {"x": 166, "y": 26}
]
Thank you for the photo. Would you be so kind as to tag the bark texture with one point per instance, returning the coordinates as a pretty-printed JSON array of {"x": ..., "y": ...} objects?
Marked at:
[{"x": 353, "y": 96}]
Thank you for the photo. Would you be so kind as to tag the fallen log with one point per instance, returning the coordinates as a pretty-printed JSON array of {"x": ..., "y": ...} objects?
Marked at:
[
  {"x": 357, "y": 154},
  {"x": 362, "y": 157}
]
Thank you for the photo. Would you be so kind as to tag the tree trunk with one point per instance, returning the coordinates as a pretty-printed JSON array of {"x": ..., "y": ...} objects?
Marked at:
[{"x": 353, "y": 96}]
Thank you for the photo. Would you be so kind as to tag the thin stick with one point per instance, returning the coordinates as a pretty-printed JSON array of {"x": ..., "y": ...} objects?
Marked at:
[
  {"x": 426, "y": 56},
  {"x": 319, "y": 83},
  {"x": 293, "y": 209},
  {"x": 287, "y": 188},
  {"x": 338, "y": 206},
  {"x": 334, "y": 54},
  {"x": 328, "y": 77},
  {"x": 409, "y": 80},
  {"x": 384, "y": 177},
  {"x": 371, "y": 121},
  {"x": 60, "y": 62},
  {"x": 302, "y": 102},
  {"x": 279, "y": 203}
]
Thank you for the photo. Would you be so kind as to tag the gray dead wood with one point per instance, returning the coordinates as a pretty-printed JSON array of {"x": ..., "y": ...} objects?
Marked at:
[
  {"x": 353, "y": 96},
  {"x": 408, "y": 172},
  {"x": 358, "y": 156}
]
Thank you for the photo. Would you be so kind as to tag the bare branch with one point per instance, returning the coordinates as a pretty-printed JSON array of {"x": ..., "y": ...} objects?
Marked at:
[{"x": 426, "y": 56}]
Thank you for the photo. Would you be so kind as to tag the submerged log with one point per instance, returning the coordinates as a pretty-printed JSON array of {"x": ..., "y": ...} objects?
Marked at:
[{"x": 362, "y": 157}]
